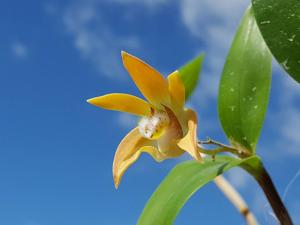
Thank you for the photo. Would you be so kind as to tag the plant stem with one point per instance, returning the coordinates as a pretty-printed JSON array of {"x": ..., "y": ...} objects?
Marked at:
[
  {"x": 236, "y": 199},
  {"x": 262, "y": 177},
  {"x": 266, "y": 183},
  {"x": 222, "y": 148},
  {"x": 228, "y": 190},
  {"x": 214, "y": 151}
]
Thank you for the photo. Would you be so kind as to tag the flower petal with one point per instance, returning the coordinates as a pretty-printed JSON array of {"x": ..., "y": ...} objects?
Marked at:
[
  {"x": 170, "y": 148},
  {"x": 177, "y": 90},
  {"x": 189, "y": 142},
  {"x": 167, "y": 144},
  {"x": 122, "y": 102},
  {"x": 129, "y": 151},
  {"x": 150, "y": 82}
]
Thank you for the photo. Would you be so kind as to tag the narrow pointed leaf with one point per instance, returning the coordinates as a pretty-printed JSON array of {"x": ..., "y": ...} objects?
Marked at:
[
  {"x": 245, "y": 86},
  {"x": 279, "y": 23},
  {"x": 168, "y": 199},
  {"x": 189, "y": 73}
]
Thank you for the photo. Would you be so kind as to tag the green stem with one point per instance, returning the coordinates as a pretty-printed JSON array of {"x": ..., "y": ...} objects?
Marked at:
[
  {"x": 262, "y": 177},
  {"x": 213, "y": 151},
  {"x": 222, "y": 148}
]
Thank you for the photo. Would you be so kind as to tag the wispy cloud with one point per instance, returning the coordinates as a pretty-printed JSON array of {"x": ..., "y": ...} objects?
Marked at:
[
  {"x": 239, "y": 178},
  {"x": 262, "y": 208},
  {"x": 214, "y": 22},
  {"x": 284, "y": 114},
  {"x": 208, "y": 17},
  {"x": 127, "y": 121},
  {"x": 289, "y": 131},
  {"x": 96, "y": 41},
  {"x": 19, "y": 50}
]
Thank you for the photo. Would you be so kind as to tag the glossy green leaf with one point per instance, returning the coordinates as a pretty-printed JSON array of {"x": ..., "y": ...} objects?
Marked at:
[
  {"x": 245, "y": 86},
  {"x": 168, "y": 199},
  {"x": 189, "y": 73},
  {"x": 279, "y": 23}
]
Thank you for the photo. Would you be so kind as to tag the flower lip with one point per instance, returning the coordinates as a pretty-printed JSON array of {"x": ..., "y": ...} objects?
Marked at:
[{"x": 154, "y": 126}]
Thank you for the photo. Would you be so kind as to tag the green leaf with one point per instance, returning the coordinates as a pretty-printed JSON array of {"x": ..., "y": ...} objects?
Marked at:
[
  {"x": 279, "y": 23},
  {"x": 168, "y": 199},
  {"x": 245, "y": 86},
  {"x": 189, "y": 73}
]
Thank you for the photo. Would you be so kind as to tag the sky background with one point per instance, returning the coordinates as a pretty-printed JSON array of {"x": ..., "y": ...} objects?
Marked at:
[{"x": 56, "y": 151}]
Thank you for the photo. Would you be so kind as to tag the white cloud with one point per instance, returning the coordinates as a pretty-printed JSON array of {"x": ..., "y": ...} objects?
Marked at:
[
  {"x": 290, "y": 130},
  {"x": 208, "y": 17},
  {"x": 238, "y": 178},
  {"x": 98, "y": 41},
  {"x": 95, "y": 40},
  {"x": 284, "y": 118},
  {"x": 127, "y": 121},
  {"x": 263, "y": 209},
  {"x": 214, "y": 22},
  {"x": 50, "y": 8},
  {"x": 19, "y": 50}
]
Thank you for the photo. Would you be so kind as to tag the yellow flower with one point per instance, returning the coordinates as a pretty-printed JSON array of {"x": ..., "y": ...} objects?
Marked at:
[{"x": 166, "y": 129}]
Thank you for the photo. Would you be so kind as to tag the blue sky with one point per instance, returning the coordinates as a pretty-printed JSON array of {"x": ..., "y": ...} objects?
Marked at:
[{"x": 56, "y": 151}]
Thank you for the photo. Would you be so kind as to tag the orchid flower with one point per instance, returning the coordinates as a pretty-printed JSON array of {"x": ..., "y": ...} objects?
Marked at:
[{"x": 166, "y": 129}]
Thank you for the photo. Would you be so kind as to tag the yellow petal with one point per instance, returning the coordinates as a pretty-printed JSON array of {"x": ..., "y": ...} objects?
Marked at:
[
  {"x": 168, "y": 142},
  {"x": 177, "y": 89},
  {"x": 122, "y": 102},
  {"x": 189, "y": 142},
  {"x": 150, "y": 82},
  {"x": 170, "y": 148},
  {"x": 129, "y": 151}
]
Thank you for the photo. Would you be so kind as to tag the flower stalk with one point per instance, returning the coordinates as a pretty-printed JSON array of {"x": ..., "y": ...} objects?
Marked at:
[
  {"x": 260, "y": 174},
  {"x": 228, "y": 190},
  {"x": 236, "y": 199},
  {"x": 222, "y": 149}
]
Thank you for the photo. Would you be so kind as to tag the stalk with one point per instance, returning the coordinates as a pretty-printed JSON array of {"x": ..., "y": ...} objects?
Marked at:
[
  {"x": 260, "y": 174},
  {"x": 236, "y": 199},
  {"x": 265, "y": 182}
]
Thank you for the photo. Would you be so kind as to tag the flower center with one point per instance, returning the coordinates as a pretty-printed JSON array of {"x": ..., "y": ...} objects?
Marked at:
[{"x": 153, "y": 127}]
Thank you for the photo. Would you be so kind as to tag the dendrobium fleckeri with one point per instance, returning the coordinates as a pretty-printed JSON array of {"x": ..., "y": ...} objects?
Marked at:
[{"x": 166, "y": 129}]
